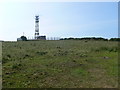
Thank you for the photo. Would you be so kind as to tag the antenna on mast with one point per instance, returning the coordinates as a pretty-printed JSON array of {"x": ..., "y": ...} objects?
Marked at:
[{"x": 23, "y": 33}]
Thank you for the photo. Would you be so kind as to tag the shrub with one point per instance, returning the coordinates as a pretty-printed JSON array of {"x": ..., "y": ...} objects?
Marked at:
[
  {"x": 16, "y": 66},
  {"x": 41, "y": 53},
  {"x": 8, "y": 56}
]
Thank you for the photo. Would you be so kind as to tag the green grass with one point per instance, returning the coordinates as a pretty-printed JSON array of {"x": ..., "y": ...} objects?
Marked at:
[{"x": 60, "y": 64}]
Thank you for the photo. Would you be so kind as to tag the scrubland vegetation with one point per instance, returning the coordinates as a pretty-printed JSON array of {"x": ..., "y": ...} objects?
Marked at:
[{"x": 60, "y": 64}]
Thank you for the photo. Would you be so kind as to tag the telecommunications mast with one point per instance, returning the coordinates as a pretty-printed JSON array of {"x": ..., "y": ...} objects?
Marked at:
[{"x": 36, "y": 26}]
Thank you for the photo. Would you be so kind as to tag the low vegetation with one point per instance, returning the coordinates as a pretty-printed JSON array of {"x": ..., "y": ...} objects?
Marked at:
[{"x": 60, "y": 64}]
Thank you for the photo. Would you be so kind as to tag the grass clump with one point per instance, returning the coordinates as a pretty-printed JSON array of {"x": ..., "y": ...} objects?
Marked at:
[{"x": 79, "y": 72}]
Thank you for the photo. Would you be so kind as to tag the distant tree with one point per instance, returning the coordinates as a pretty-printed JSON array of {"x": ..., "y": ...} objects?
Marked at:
[
  {"x": 70, "y": 38},
  {"x": 23, "y": 38},
  {"x": 114, "y": 39}
]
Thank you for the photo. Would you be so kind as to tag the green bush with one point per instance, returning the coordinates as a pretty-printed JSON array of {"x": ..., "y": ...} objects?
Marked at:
[{"x": 41, "y": 53}]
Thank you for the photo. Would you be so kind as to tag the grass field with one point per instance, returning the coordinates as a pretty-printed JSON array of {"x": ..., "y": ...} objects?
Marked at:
[{"x": 60, "y": 64}]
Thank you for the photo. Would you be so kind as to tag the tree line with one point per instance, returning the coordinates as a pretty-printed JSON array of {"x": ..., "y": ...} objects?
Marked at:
[
  {"x": 92, "y": 38},
  {"x": 85, "y": 38}
]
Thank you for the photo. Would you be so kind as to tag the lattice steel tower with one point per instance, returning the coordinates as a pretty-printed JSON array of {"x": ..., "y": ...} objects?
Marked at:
[{"x": 36, "y": 26}]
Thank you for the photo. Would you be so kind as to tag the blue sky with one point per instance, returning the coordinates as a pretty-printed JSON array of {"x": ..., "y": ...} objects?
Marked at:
[{"x": 59, "y": 19}]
